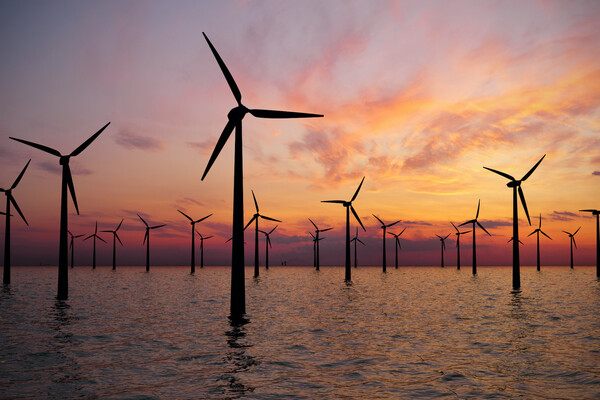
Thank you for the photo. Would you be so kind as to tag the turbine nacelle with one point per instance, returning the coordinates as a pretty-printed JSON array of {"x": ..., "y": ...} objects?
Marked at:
[
  {"x": 237, "y": 113},
  {"x": 64, "y": 160},
  {"x": 513, "y": 184}
]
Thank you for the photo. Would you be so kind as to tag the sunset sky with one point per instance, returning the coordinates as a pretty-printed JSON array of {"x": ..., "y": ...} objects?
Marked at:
[{"x": 418, "y": 96}]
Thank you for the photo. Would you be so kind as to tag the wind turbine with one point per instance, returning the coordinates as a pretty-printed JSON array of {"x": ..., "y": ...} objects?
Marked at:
[
  {"x": 255, "y": 218},
  {"x": 538, "y": 231},
  {"x": 67, "y": 185},
  {"x": 235, "y": 117},
  {"x": 267, "y": 245},
  {"x": 397, "y": 236},
  {"x": 572, "y": 239},
  {"x": 356, "y": 239},
  {"x": 202, "y": 239},
  {"x": 147, "y": 240},
  {"x": 317, "y": 240},
  {"x": 475, "y": 222},
  {"x": 94, "y": 235},
  {"x": 348, "y": 205},
  {"x": 516, "y": 186},
  {"x": 596, "y": 213},
  {"x": 442, "y": 239},
  {"x": 10, "y": 199},
  {"x": 315, "y": 244},
  {"x": 72, "y": 246},
  {"x": 115, "y": 238},
  {"x": 384, "y": 227},
  {"x": 193, "y": 223},
  {"x": 458, "y": 233}
]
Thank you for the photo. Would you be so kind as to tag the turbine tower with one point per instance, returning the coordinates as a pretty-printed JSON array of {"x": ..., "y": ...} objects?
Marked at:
[
  {"x": 384, "y": 227},
  {"x": 397, "y": 236},
  {"x": 317, "y": 240},
  {"x": 10, "y": 199},
  {"x": 115, "y": 238},
  {"x": 458, "y": 233},
  {"x": 538, "y": 231},
  {"x": 516, "y": 186},
  {"x": 147, "y": 240},
  {"x": 267, "y": 245},
  {"x": 475, "y": 222},
  {"x": 193, "y": 223},
  {"x": 572, "y": 240},
  {"x": 202, "y": 239},
  {"x": 235, "y": 117},
  {"x": 67, "y": 185},
  {"x": 94, "y": 235},
  {"x": 596, "y": 213},
  {"x": 348, "y": 205},
  {"x": 356, "y": 239},
  {"x": 442, "y": 240},
  {"x": 255, "y": 218},
  {"x": 72, "y": 246}
]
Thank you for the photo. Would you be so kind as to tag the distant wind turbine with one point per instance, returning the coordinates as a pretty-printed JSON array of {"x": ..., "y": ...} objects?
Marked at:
[
  {"x": 538, "y": 231},
  {"x": 384, "y": 227},
  {"x": 193, "y": 223},
  {"x": 267, "y": 245},
  {"x": 72, "y": 246},
  {"x": 348, "y": 205},
  {"x": 596, "y": 213},
  {"x": 202, "y": 239},
  {"x": 475, "y": 222},
  {"x": 10, "y": 199},
  {"x": 147, "y": 240},
  {"x": 315, "y": 243},
  {"x": 95, "y": 236},
  {"x": 115, "y": 238},
  {"x": 442, "y": 240},
  {"x": 67, "y": 185},
  {"x": 572, "y": 240},
  {"x": 356, "y": 239},
  {"x": 516, "y": 186},
  {"x": 397, "y": 236},
  {"x": 458, "y": 233},
  {"x": 317, "y": 240},
  {"x": 255, "y": 218},
  {"x": 235, "y": 116}
]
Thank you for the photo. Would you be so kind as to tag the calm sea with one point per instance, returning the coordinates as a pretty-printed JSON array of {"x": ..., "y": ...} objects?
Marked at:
[{"x": 411, "y": 333}]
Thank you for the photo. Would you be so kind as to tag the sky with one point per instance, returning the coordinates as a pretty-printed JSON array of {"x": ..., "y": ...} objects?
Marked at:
[{"x": 417, "y": 97}]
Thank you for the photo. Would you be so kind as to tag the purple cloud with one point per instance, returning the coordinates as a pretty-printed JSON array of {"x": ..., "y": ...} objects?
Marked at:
[
  {"x": 133, "y": 141},
  {"x": 596, "y": 173},
  {"x": 563, "y": 216}
]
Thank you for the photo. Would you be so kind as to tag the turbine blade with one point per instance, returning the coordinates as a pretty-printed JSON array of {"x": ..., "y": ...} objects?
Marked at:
[
  {"x": 202, "y": 219},
  {"x": 333, "y": 201},
  {"x": 310, "y": 233},
  {"x": 269, "y": 218},
  {"x": 71, "y": 187},
  {"x": 360, "y": 241},
  {"x": 101, "y": 238},
  {"x": 567, "y": 233},
  {"x": 91, "y": 236},
  {"x": 315, "y": 225},
  {"x": 230, "y": 81},
  {"x": 145, "y": 236},
  {"x": 485, "y": 230},
  {"x": 119, "y": 225},
  {"x": 219, "y": 146},
  {"x": 96, "y": 229},
  {"x": 271, "y": 231},
  {"x": 378, "y": 219},
  {"x": 465, "y": 232},
  {"x": 143, "y": 220},
  {"x": 589, "y": 210},
  {"x": 88, "y": 142},
  {"x": 454, "y": 226},
  {"x": 358, "y": 190},
  {"x": 325, "y": 230},
  {"x": 532, "y": 233},
  {"x": 478, "y": 205},
  {"x": 14, "y": 185},
  {"x": 446, "y": 237},
  {"x": 400, "y": 234},
  {"x": 438, "y": 236},
  {"x": 255, "y": 202},
  {"x": 574, "y": 242},
  {"x": 281, "y": 114},
  {"x": 249, "y": 222},
  {"x": 208, "y": 237},
  {"x": 468, "y": 222},
  {"x": 394, "y": 223},
  {"x": 532, "y": 169},
  {"x": 185, "y": 215},
  {"x": 117, "y": 236},
  {"x": 522, "y": 196},
  {"x": 158, "y": 226},
  {"x": 108, "y": 231},
  {"x": 575, "y": 233},
  {"x": 14, "y": 203},
  {"x": 78, "y": 236},
  {"x": 392, "y": 233},
  {"x": 356, "y": 216},
  {"x": 500, "y": 173},
  {"x": 540, "y": 225},
  {"x": 542, "y": 232},
  {"x": 39, "y": 147},
  {"x": 229, "y": 240},
  {"x": 443, "y": 245},
  {"x": 269, "y": 241}
]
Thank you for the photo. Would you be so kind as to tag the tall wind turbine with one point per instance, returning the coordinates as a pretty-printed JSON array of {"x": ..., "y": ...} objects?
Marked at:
[
  {"x": 475, "y": 222},
  {"x": 572, "y": 239},
  {"x": 202, "y": 239},
  {"x": 348, "y": 205},
  {"x": 384, "y": 227},
  {"x": 315, "y": 244},
  {"x": 255, "y": 218},
  {"x": 458, "y": 233},
  {"x": 267, "y": 245},
  {"x": 115, "y": 238},
  {"x": 442, "y": 240},
  {"x": 147, "y": 240},
  {"x": 516, "y": 186},
  {"x": 94, "y": 235},
  {"x": 538, "y": 231},
  {"x": 72, "y": 246},
  {"x": 193, "y": 223},
  {"x": 596, "y": 213},
  {"x": 398, "y": 246},
  {"x": 235, "y": 117},
  {"x": 317, "y": 240},
  {"x": 356, "y": 239},
  {"x": 67, "y": 184},
  {"x": 10, "y": 199}
]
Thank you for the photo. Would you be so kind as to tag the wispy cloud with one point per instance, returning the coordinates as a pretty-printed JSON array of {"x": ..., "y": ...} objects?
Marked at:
[
  {"x": 55, "y": 168},
  {"x": 596, "y": 173},
  {"x": 563, "y": 216},
  {"x": 131, "y": 140}
]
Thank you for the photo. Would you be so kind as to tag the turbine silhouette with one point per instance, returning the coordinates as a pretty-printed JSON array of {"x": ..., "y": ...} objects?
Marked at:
[
  {"x": 235, "y": 117},
  {"x": 538, "y": 231},
  {"x": 317, "y": 240},
  {"x": 398, "y": 246},
  {"x": 193, "y": 223},
  {"x": 67, "y": 185},
  {"x": 202, "y": 239},
  {"x": 572, "y": 240},
  {"x": 95, "y": 236},
  {"x": 268, "y": 244},
  {"x": 72, "y": 246},
  {"x": 10, "y": 199},
  {"x": 442, "y": 240},
  {"x": 348, "y": 205},
  {"x": 115, "y": 238},
  {"x": 475, "y": 222},
  {"x": 384, "y": 227},
  {"x": 516, "y": 186},
  {"x": 596, "y": 213},
  {"x": 458, "y": 233},
  {"x": 255, "y": 218},
  {"x": 147, "y": 240},
  {"x": 356, "y": 239}
]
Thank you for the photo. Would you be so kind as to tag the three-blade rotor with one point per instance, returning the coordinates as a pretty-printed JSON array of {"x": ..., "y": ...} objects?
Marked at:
[
  {"x": 349, "y": 203},
  {"x": 8, "y": 193}
]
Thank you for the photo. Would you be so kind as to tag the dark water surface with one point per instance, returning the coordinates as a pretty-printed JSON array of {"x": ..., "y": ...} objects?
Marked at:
[{"x": 411, "y": 333}]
